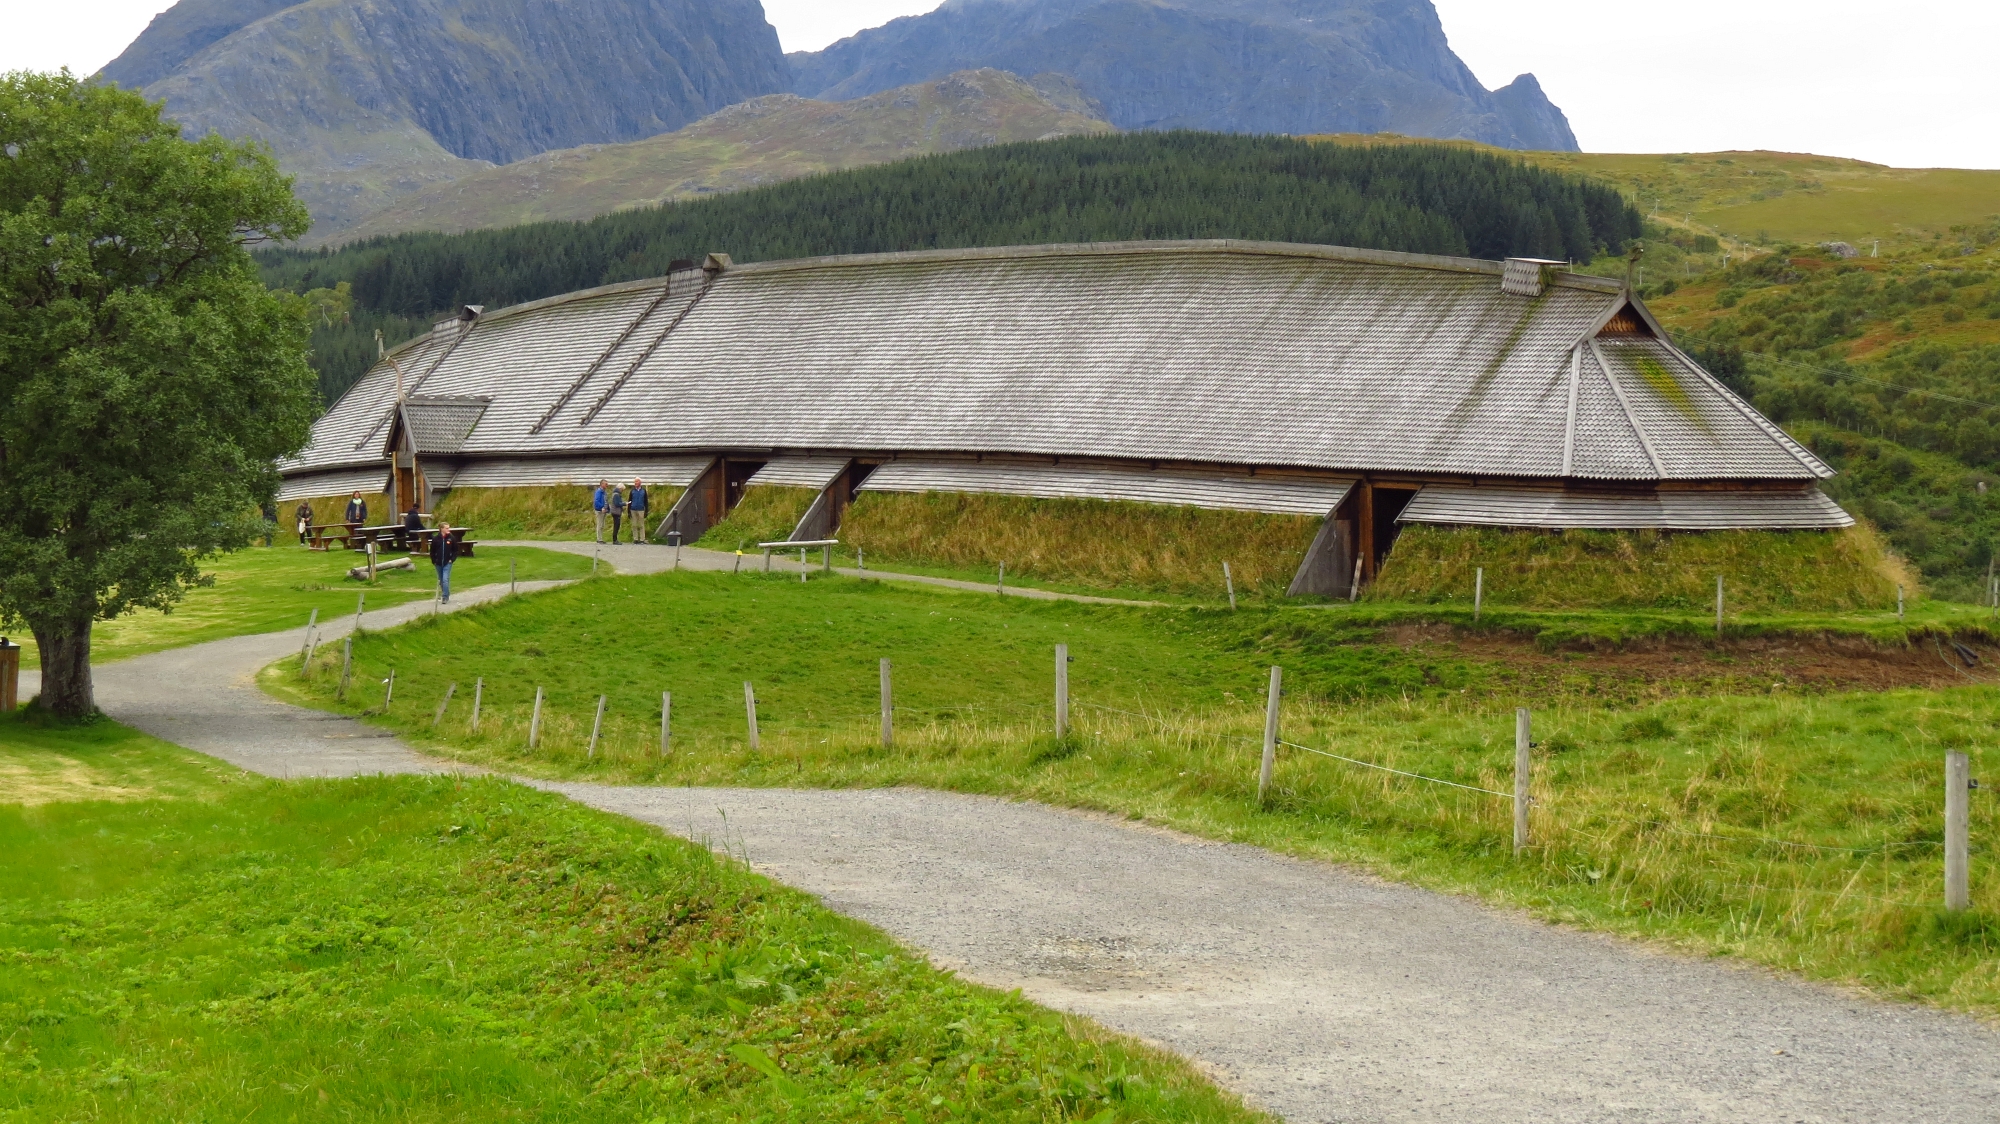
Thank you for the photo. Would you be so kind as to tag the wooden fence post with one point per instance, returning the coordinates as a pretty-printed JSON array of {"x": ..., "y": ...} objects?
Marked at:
[
  {"x": 478, "y": 696},
  {"x": 346, "y": 664},
  {"x": 1270, "y": 734},
  {"x": 1523, "y": 730},
  {"x": 596, "y": 726},
  {"x": 360, "y": 603},
  {"x": 510, "y": 575},
  {"x": 1000, "y": 584},
  {"x": 1478, "y": 592},
  {"x": 888, "y": 710},
  {"x": 666, "y": 719},
  {"x": 826, "y": 559},
  {"x": 750, "y": 711},
  {"x": 802, "y": 565},
  {"x": 1899, "y": 602},
  {"x": 389, "y": 691},
  {"x": 1718, "y": 606},
  {"x": 438, "y": 715},
  {"x": 1957, "y": 801},
  {"x": 1229, "y": 583},
  {"x": 305, "y": 649},
  {"x": 535, "y": 723},
  {"x": 860, "y": 559},
  {"x": 1062, "y": 691}
]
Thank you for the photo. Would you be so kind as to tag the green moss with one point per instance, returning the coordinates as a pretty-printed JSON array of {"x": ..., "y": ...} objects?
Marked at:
[{"x": 765, "y": 514}]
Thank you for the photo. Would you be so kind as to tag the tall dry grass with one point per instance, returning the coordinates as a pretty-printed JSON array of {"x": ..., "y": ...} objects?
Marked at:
[
  {"x": 556, "y": 512},
  {"x": 1762, "y": 571},
  {"x": 1092, "y": 543},
  {"x": 766, "y": 513}
]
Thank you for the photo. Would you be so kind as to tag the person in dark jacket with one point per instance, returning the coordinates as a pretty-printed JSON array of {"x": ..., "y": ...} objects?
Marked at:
[
  {"x": 305, "y": 517},
  {"x": 444, "y": 552},
  {"x": 413, "y": 520},
  {"x": 357, "y": 510},
  {"x": 617, "y": 502}
]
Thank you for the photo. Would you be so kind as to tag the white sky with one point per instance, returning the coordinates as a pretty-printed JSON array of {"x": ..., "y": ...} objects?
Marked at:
[{"x": 1905, "y": 82}]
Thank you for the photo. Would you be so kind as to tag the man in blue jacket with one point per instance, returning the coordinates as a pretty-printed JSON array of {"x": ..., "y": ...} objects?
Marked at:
[
  {"x": 600, "y": 502},
  {"x": 635, "y": 502}
]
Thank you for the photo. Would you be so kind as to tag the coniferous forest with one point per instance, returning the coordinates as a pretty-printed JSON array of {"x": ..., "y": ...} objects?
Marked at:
[{"x": 1417, "y": 198}]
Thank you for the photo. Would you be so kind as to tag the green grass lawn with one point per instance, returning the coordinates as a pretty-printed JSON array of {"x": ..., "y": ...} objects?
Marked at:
[
  {"x": 212, "y": 946},
  {"x": 1724, "y": 815},
  {"x": 268, "y": 589}
]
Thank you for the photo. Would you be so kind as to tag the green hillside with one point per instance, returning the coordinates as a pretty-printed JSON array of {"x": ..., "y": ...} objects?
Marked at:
[
  {"x": 762, "y": 141},
  {"x": 1077, "y": 189}
]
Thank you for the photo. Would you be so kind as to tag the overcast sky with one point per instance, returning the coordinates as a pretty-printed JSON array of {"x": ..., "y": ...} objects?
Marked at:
[{"x": 1903, "y": 82}]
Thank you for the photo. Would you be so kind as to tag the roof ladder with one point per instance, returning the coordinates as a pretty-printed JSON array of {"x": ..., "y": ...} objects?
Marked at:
[
  {"x": 590, "y": 372},
  {"x": 707, "y": 282}
]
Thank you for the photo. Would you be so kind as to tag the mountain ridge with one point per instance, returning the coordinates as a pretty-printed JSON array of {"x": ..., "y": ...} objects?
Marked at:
[
  {"x": 764, "y": 140},
  {"x": 1279, "y": 66}
]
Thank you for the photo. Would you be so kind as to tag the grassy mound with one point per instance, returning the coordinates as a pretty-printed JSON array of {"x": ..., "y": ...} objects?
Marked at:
[
  {"x": 765, "y": 514},
  {"x": 1094, "y": 543},
  {"x": 558, "y": 512},
  {"x": 1762, "y": 571},
  {"x": 437, "y": 949}
]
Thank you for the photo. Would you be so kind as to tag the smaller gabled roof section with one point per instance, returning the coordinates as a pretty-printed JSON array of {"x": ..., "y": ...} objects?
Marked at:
[{"x": 441, "y": 423}]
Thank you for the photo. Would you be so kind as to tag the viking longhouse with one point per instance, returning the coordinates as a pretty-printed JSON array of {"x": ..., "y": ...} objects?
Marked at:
[{"x": 1370, "y": 389}]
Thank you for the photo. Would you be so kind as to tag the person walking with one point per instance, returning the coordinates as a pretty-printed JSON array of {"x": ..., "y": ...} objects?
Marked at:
[
  {"x": 444, "y": 551},
  {"x": 305, "y": 517},
  {"x": 357, "y": 510},
  {"x": 598, "y": 504},
  {"x": 635, "y": 502},
  {"x": 617, "y": 502}
]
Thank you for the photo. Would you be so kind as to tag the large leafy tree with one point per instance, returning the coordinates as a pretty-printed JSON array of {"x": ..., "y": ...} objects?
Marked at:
[{"x": 147, "y": 378}]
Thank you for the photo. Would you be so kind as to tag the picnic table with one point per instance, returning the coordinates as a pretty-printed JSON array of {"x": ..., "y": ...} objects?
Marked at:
[
  {"x": 319, "y": 537},
  {"x": 398, "y": 537}
]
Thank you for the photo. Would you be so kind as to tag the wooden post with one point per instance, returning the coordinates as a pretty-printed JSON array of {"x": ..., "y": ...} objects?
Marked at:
[
  {"x": 1957, "y": 801},
  {"x": 305, "y": 649},
  {"x": 767, "y": 559},
  {"x": 438, "y": 716},
  {"x": 1062, "y": 691},
  {"x": 1354, "y": 590},
  {"x": 860, "y": 559},
  {"x": 802, "y": 565},
  {"x": 371, "y": 562},
  {"x": 1270, "y": 734},
  {"x": 478, "y": 696},
  {"x": 888, "y": 710},
  {"x": 1899, "y": 602},
  {"x": 1522, "y": 765},
  {"x": 1229, "y": 584},
  {"x": 346, "y": 664},
  {"x": 666, "y": 719},
  {"x": 389, "y": 691},
  {"x": 535, "y": 723},
  {"x": 510, "y": 575},
  {"x": 595, "y": 549},
  {"x": 360, "y": 604},
  {"x": 1718, "y": 606},
  {"x": 750, "y": 711},
  {"x": 596, "y": 726},
  {"x": 826, "y": 559},
  {"x": 1000, "y": 586},
  {"x": 1478, "y": 592}
]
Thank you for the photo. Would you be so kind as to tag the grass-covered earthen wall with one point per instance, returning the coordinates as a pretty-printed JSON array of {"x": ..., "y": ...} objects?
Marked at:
[
  {"x": 556, "y": 512},
  {"x": 1110, "y": 545},
  {"x": 766, "y": 513},
  {"x": 1762, "y": 571}
]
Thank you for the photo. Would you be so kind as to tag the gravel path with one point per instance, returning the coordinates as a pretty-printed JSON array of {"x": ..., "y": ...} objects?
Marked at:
[{"x": 1319, "y": 993}]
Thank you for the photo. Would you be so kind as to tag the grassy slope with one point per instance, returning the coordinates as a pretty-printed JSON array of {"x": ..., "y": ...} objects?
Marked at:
[
  {"x": 1839, "y": 571},
  {"x": 423, "y": 949},
  {"x": 561, "y": 512},
  {"x": 1104, "y": 547},
  {"x": 766, "y": 513},
  {"x": 1651, "y": 811},
  {"x": 270, "y": 589},
  {"x": 761, "y": 141}
]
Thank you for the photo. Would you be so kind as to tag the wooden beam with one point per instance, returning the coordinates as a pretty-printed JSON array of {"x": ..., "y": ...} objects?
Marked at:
[{"x": 1364, "y": 528}]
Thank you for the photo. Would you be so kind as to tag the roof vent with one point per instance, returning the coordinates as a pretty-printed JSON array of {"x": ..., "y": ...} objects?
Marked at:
[
  {"x": 716, "y": 263},
  {"x": 471, "y": 311},
  {"x": 1527, "y": 277}
]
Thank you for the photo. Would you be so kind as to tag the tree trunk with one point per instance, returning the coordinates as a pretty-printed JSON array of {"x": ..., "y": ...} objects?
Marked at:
[{"x": 65, "y": 652}]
